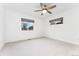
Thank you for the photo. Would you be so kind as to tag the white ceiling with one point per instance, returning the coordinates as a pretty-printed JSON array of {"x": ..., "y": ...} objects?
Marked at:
[{"x": 29, "y": 8}]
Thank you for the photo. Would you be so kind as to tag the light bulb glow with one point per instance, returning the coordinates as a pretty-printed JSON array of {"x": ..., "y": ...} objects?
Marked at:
[{"x": 44, "y": 11}]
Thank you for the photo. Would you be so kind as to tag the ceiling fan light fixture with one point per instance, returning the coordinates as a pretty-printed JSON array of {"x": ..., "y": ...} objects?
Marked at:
[{"x": 44, "y": 11}]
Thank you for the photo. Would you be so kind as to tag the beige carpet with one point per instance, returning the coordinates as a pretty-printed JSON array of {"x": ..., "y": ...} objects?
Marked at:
[{"x": 40, "y": 47}]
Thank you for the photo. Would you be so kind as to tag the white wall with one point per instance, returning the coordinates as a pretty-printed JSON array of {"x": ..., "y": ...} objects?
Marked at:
[
  {"x": 13, "y": 30},
  {"x": 69, "y": 30},
  {"x": 1, "y": 25}
]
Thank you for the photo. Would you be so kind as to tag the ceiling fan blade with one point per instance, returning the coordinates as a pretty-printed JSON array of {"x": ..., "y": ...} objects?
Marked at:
[
  {"x": 52, "y": 7},
  {"x": 37, "y": 10},
  {"x": 49, "y": 12},
  {"x": 41, "y": 4}
]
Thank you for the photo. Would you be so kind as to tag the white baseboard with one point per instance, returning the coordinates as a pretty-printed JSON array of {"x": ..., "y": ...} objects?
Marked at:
[
  {"x": 25, "y": 39},
  {"x": 63, "y": 41},
  {"x": 1, "y": 45}
]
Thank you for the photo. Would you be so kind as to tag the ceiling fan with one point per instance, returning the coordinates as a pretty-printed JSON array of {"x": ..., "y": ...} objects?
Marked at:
[{"x": 45, "y": 8}]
